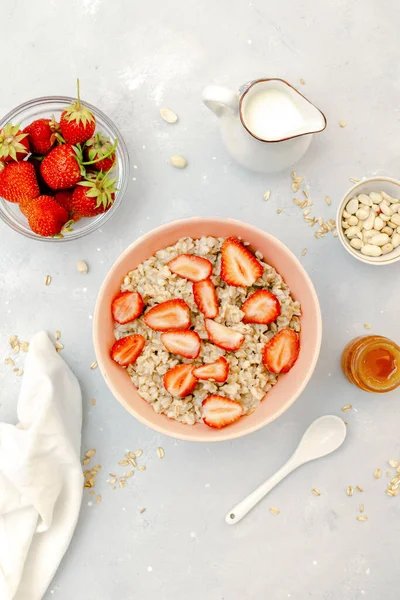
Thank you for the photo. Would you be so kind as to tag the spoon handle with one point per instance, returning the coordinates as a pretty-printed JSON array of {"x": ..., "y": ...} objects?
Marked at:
[{"x": 240, "y": 510}]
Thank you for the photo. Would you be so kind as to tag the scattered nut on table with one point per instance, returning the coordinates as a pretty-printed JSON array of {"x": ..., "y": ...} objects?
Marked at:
[
  {"x": 178, "y": 162},
  {"x": 371, "y": 222},
  {"x": 168, "y": 115},
  {"x": 82, "y": 266}
]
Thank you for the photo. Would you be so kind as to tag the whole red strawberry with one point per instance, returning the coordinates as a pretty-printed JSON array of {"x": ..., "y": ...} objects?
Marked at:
[
  {"x": 14, "y": 143},
  {"x": 93, "y": 196},
  {"x": 42, "y": 135},
  {"x": 45, "y": 216},
  {"x": 96, "y": 147},
  {"x": 18, "y": 181},
  {"x": 77, "y": 122},
  {"x": 60, "y": 168}
]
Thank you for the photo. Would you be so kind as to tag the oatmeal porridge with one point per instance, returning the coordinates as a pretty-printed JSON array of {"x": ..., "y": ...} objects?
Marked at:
[{"x": 247, "y": 377}]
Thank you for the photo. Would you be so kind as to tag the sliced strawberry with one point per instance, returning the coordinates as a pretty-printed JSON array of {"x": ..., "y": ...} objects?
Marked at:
[
  {"x": 280, "y": 353},
  {"x": 215, "y": 371},
  {"x": 179, "y": 381},
  {"x": 239, "y": 266},
  {"x": 219, "y": 411},
  {"x": 190, "y": 266},
  {"x": 205, "y": 297},
  {"x": 184, "y": 343},
  {"x": 126, "y": 350},
  {"x": 223, "y": 337},
  {"x": 169, "y": 315},
  {"x": 261, "y": 307},
  {"x": 127, "y": 306}
]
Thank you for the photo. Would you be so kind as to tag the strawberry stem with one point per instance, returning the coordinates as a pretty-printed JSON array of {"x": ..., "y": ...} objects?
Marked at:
[
  {"x": 78, "y": 87},
  {"x": 106, "y": 155}
]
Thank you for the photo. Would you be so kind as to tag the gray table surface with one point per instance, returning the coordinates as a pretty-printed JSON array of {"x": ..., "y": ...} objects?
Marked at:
[{"x": 134, "y": 58}]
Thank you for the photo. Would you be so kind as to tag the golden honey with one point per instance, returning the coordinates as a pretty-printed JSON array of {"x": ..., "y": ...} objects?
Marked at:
[{"x": 372, "y": 363}]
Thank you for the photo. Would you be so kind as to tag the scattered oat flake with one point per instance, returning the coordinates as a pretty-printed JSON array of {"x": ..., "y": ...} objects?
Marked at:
[
  {"x": 354, "y": 180},
  {"x": 92, "y": 492},
  {"x": 113, "y": 481},
  {"x": 393, "y": 463},
  {"x": 361, "y": 508},
  {"x": 304, "y": 252},
  {"x": 9, "y": 361},
  {"x": 122, "y": 482},
  {"x": 94, "y": 365},
  {"x": 18, "y": 372},
  {"x": 360, "y": 489},
  {"x": 59, "y": 346},
  {"x": 98, "y": 499},
  {"x": 13, "y": 339},
  {"x": 274, "y": 511},
  {"x": 347, "y": 407},
  {"x": 142, "y": 468},
  {"x": 93, "y": 402},
  {"x": 47, "y": 280},
  {"x": 57, "y": 335},
  {"x": 305, "y": 193},
  {"x": 328, "y": 200},
  {"x": 129, "y": 474},
  {"x": 86, "y": 461},
  {"x": 377, "y": 473},
  {"x": 342, "y": 123},
  {"x": 278, "y": 211},
  {"x": 349, "y": 490},
  {"x": 302, "y": 81},
  {"x": 142, "y": 510},
  {"x": 160, "y": 452},
  {"x": 138, "y": 453},
  {"x": 267, "y": 195},
  {"x": 367, "y": 325},
  {"x": 362, "y": 518},
  {"x": 123, "y": 463},
  {"x": 16, "y": 349},
  {"x": 316, "y": 492},
  {"x": 90, "y": 453}
]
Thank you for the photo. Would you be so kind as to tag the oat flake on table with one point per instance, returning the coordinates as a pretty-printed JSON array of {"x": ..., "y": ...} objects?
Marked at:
[{"x": 248, "y": 378}]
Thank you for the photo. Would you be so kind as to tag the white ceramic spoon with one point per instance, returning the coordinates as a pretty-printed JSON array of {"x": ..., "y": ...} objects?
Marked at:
[{"x": 323, "y": 436}]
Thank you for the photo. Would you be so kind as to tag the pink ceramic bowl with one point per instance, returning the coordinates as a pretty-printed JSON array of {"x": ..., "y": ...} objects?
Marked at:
[{"x": 289, "y": 386}]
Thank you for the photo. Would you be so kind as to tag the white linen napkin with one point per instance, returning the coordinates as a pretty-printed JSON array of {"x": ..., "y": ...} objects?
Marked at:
[{"x": 41, "y": 479}]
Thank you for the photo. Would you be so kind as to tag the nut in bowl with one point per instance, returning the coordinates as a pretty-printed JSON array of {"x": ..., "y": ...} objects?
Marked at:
[
  {"x": 193, "y": 352},
  {"x": 368, "y": 221},
  {"x": 30, "y": 156}
]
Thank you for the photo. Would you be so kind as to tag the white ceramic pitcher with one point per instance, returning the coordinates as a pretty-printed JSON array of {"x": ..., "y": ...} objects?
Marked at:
[{"x": 269, "y": 127}]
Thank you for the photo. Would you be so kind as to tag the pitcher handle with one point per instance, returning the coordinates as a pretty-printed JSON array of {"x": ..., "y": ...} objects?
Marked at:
[{"x": 220, "y": 100}]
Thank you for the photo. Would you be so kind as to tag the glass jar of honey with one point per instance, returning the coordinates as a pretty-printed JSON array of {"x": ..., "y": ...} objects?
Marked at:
[{"x": 372, "y": 363}]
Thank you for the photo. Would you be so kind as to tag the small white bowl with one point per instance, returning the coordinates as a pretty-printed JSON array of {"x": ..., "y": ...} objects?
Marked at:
[{"x": 371, "y": 184}]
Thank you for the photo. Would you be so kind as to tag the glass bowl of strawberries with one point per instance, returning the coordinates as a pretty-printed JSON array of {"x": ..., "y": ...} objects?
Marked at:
[{"x": 64, "y": 168}]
